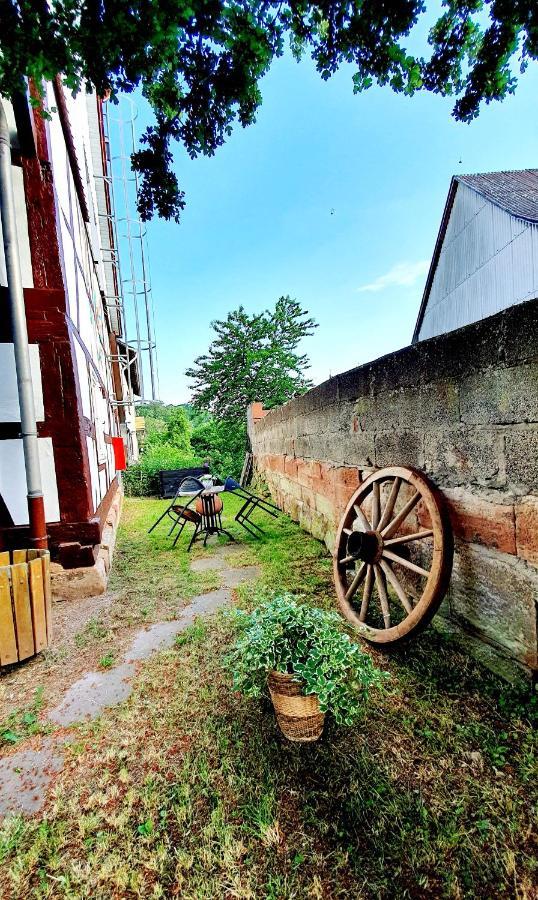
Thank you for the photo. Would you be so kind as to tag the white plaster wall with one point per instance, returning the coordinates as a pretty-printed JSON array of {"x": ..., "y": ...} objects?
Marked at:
[
  {"x": 13, "y": 480},
  {"x": 22, "y": 233},
  {"x": 9, "y": 395}
]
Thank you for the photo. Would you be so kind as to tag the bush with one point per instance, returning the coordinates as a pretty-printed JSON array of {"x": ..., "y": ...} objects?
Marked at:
[
  {"x": 309, "y": 643},
  {"x": 141, "y": 479}
]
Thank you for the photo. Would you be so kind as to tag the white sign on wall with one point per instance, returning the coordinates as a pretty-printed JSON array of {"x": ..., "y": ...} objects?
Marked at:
[{"x": 9, "y": 397}]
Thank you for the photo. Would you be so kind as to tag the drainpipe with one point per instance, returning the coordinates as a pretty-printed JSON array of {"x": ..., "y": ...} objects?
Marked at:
[{"x": 36, "y": 509}]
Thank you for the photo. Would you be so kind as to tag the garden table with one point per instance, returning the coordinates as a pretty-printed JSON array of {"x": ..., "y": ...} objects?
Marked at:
[{"x": 209, "y": 507}]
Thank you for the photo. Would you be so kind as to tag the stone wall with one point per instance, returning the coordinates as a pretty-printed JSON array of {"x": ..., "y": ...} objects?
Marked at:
[{"x": 462, "y": 407}]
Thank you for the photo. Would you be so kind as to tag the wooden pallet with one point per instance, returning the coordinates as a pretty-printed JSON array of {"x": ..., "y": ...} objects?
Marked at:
[{"x": 25, "y": 604}]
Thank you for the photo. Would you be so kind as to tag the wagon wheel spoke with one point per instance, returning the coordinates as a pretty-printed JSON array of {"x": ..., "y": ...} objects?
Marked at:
[
  {"x": 407, "y": 538},
  {"x": 376, "y": 505},
  {"x": 390, "y": 504},
  {"x": 396, "y": 584},
  {"x": 357, "y": 581},
  {"x": 393, "y": 526},
  {"x": 406, "y": 563},
  {"x": 383, "y": 596},
  {"x": 346, "y": 560},
  {"x": 361, "y": 517},
  {"x": 366, "y": 593}
]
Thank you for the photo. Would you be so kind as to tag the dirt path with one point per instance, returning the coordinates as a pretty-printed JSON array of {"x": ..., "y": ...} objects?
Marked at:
[{"x": 83, "y": 692}]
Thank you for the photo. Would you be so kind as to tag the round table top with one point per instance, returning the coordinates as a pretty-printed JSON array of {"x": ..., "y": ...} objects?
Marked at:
[{"x": 216, "y": 489}]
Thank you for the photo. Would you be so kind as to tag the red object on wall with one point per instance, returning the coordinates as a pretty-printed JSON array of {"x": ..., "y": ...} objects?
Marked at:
[{"x": 119, "y": 454}]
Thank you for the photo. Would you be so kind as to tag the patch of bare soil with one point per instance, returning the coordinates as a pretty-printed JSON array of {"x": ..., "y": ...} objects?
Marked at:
[{"x": 85, "y": 632}]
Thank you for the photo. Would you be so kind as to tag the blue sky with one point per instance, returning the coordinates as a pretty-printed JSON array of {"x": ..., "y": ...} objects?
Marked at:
[{"x": 332, "y": 198}]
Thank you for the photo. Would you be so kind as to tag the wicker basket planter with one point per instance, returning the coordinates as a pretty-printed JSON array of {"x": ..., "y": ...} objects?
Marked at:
[
  {"x": 25, "y": 604},
  {"x": 298, "y": 715}
]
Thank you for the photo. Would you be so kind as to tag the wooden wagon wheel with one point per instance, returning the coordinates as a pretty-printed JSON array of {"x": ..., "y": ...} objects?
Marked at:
[{"x": 393, "y": 555}]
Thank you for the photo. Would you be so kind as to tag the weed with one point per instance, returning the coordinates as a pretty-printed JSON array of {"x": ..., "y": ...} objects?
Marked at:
[
  {"x": 107, "y": 661},
  {"x": 23, "y": 723},
  {"x": 94, "y": 630}
]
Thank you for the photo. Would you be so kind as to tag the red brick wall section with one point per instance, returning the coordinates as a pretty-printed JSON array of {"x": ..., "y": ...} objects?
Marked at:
[{"x": 462, "y": 407}]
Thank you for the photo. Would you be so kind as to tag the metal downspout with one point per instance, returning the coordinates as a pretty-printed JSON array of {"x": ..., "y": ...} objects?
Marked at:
[{"x": 36, "y": 509}]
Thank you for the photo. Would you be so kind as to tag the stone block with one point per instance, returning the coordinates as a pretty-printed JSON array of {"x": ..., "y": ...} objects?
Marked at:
[
  {"x": 527, "y": 529},
  {"x": 347, "y": 480},
  {"x": 521, "y": 455},
  {"x": 399, "y": 448},
  {"x": 496, "y": 595},
  {"x": 319, "y": 525},
  {"x": 413, "y": 407},
  {"x": 290, "y": 466},
  {"x": 462, "y": 352},
  {"x": 325, "y": 394},
  {"x": 395, "y": 370},
  {"x": 520, "y": 328},
  {"x": 324, "y": 507},
  {"x": 323, "y": 483},
  {"x": 455, "y": 456},
  {"x": 354, "y": 383},
  {"x": 358, "y": 449},
  {"x": 500, "y": 396},
  {"x": 78, "y": 583},
  {"x": 489, "y": 655},
  {"x": 478, "y": 520}
]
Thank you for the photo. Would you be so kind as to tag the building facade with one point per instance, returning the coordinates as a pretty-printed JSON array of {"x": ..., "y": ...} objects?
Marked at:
[{"x": 85, "y": 374}]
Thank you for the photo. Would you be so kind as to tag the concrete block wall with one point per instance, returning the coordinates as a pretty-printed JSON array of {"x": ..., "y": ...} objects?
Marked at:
[{"x": 462, "y": 407}]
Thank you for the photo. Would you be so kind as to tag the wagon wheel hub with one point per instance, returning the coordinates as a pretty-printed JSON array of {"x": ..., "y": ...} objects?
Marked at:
[
  {"x": 393, "y": 555},
  {"x": 366, "y": 546}
]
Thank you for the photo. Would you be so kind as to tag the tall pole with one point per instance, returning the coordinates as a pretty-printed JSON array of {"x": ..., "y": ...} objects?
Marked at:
[{"x": 36, "y": 508}]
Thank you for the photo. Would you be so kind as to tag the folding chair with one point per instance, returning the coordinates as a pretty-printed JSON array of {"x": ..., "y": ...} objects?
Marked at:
[
  {"x": 252, "y": 502},
  {"x": 181, "y": 513}
]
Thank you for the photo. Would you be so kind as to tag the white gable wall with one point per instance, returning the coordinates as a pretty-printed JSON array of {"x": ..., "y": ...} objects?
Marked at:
[{"x": 488, "y": 262}]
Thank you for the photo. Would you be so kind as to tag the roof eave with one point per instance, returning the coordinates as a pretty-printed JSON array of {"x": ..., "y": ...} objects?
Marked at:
[{"x": 435, "y": 258}]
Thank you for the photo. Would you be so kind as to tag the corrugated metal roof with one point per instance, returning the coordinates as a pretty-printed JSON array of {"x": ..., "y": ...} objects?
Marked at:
[{"x": 515, "y": 191}]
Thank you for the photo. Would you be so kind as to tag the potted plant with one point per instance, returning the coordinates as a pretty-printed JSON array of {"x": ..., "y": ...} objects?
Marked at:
[{"x": 306, "y": 659}]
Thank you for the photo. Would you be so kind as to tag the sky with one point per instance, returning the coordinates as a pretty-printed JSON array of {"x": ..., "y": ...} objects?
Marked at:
[{"x": 333, "y": 198}]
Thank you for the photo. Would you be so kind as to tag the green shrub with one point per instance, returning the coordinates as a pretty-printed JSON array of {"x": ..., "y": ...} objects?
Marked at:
[
  {"x": 141, "y": 479},
  {"x": 309, "y": 643}
]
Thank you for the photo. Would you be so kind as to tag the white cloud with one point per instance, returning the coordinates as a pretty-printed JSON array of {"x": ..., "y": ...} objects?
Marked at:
[{"x": 402, "y": 275}]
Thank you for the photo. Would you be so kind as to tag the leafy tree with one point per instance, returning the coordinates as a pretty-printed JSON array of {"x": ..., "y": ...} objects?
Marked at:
[
  {"x": 199, "y": 62},
  {"x": 253, "y": 357}
]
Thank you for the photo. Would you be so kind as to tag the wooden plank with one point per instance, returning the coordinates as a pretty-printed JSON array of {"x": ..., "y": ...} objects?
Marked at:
[
  {"x": 4, "y": 558},
  {"x": 19, "y": 556},
  {"x": 32, "y": 554},
  {"x": 8, "y": 640},
  {"x": 47, "y": 591},
  {"x": 37, "y": 599},
  {"x": 23, "y": 610}
]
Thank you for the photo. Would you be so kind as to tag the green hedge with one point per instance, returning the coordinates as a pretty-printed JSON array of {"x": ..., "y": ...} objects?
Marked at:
[{"x": 142, "y": 479}]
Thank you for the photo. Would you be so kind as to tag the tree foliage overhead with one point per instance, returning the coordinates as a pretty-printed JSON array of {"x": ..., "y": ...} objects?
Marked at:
[
  {"x": 253, "y": 357},
  {"x": 199, "y": 62}
]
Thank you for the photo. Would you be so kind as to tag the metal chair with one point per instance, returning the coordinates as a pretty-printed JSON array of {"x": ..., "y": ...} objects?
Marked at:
[
  {"x": 180, "y": 513},
  {"x": 252, "y": 502}
]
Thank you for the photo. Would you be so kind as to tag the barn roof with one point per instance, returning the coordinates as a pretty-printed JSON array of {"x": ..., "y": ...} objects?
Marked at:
[{"x": 514, "y": 191}]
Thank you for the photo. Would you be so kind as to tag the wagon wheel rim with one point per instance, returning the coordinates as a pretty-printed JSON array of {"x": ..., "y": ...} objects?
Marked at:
[{"x": 370, "y": 565}]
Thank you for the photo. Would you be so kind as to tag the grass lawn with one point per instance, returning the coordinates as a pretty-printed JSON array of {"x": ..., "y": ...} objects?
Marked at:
[{"x": 187, "y": 790}]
